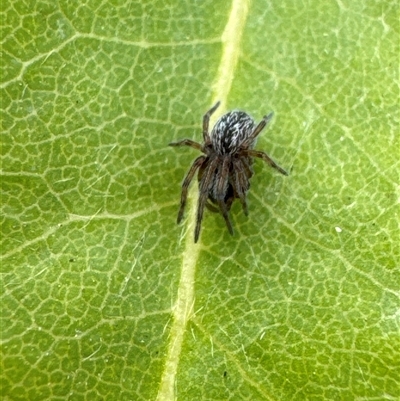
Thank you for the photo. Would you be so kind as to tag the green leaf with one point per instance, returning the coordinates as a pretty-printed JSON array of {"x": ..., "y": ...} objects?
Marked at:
[{"x": 103, "y": 296}]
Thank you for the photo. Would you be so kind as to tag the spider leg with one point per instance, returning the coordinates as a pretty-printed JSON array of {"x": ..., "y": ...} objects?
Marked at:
[
  {"x": 210, "y": 203},
  {"x": 229, "y": 202},
  {"x": 185, "y": 185},
  {"x": 220, "y": 191},
  {"x": 224, "y": 212},
  {"x": 206, "y": 121},
  {"x": 186, "y": 142},
  {"x": 204, "y": 186},
  {"x": 266, "y": 119},
  {"x": 241, "y": 183},
  {"x": 265, "y": 157}
]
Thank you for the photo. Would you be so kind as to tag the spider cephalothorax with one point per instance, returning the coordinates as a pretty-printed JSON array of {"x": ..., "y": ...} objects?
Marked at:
[{"x": 225, "y": 168}]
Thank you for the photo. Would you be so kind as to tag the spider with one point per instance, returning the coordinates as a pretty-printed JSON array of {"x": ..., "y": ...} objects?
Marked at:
[{"x": 225, "y": 168}]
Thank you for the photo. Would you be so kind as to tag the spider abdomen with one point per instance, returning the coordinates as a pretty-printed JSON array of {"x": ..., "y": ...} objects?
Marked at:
[{"x": 230, "y": 131}]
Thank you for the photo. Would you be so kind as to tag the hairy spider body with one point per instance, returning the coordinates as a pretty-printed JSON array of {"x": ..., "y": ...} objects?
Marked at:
[{"x": 225, "y": 169}]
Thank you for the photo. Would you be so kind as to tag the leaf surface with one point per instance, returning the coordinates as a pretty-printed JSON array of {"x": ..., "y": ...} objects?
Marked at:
[{"x": 103, "y": 296}]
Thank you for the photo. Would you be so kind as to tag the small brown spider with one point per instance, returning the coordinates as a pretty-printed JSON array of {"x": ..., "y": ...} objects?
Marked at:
[{"x": 225, "y": 168}]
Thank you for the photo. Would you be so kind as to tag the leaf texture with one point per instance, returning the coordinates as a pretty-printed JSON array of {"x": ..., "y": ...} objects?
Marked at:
[{"x": 103, "y": 296}]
